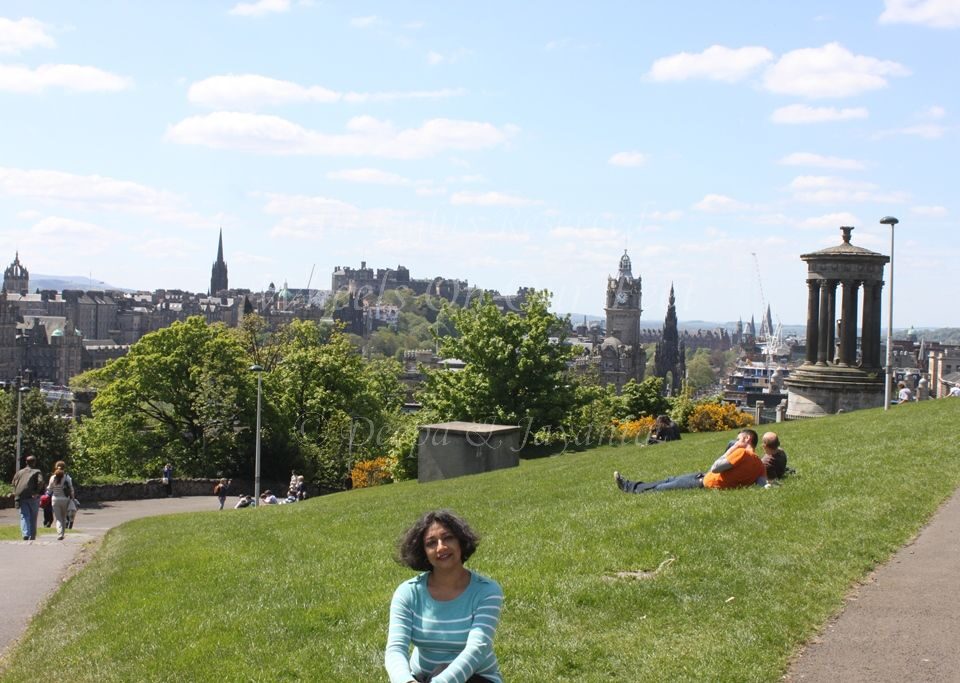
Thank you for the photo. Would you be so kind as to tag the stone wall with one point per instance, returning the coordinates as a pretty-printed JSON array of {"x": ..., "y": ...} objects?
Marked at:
[{"x": 153, "y": 488}]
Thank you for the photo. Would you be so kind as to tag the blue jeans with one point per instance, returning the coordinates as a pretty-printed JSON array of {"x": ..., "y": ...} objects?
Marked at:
[
  {"x": 29, "y": 507},
  {"x": 694, "y": 480}
]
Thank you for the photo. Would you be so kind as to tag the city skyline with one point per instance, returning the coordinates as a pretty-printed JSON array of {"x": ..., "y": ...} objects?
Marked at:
[{"x": 509, "y": 146}]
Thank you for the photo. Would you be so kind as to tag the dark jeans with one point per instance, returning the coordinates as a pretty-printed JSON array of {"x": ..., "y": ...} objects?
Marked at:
[{"x": 694, "y": 480}]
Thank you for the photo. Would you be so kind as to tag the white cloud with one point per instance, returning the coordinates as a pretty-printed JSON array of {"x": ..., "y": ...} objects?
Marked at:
[
  {"x": 932, "y": 13},
  {"x": 490, "y": 199},
  {"x": 673, "y": 215},
  {"x": 929, "y": 211},
  {"x": 167, "y": 247},
  {"x": 929, "y": 131},
  {"x": 23, "y": 34},
  {"x": 933, "y": 113},
  {"x": 717, "y": 63},
  {"x": 370, "y": 176},
  {"x": 365, "y": 136},
  {"x": 830, "y": 189},
  {"x": 306, "y": 217},
  {"x": 716, "y": 203},
  {"x": 259, "y": 8},
  {"x": 802, "y": 113},
  {"x": 820, "y": 161},
  {"x": 628, "y": 159},
  {"x": 23, "y": 79},
  {"x": 830, "y": 220},
  {"x": 96, "y": 193},
  {"x": 435, "y": 58},
  {"x": 251, "y": 91},
  {"x": 364, "y": 22},
  {"x": 58, "y": 226},
  {"x": 829, "y": 71}
]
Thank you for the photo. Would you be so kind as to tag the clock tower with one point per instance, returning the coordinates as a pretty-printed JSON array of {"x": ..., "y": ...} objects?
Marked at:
[{"x": 623, "y": 304}]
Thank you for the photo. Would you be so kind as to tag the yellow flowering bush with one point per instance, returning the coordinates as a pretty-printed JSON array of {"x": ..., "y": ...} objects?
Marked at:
[
  {"x": 630, "y": 430},
  {"x": 373, "y": 472},
  {"x": 717, "y": 417}
]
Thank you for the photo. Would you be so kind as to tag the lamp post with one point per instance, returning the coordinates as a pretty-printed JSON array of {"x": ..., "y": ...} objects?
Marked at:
[
  {"x": 20, "y": 393},
  {"x": 892, "y": 222},
  {"x": 256, "y": 467}
]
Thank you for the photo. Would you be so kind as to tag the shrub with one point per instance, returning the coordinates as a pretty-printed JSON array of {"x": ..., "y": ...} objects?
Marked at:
[
  {"x": 366, "y": 473},
  {"x": 635, "y": 430},
  {"x": 681, "y": 407},
  {"x": 717, "y": 417}
]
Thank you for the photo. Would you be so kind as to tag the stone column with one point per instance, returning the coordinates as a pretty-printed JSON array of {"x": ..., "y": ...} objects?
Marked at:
[
  {"x": 825, "y": 325},
  {"x": 813, "y": 315},
  {"x": 877, "y": 306},
  {"x": 848, "y": 342},
  {"x": 832, "y": 327},
  {"x": 867, "y": 338}
]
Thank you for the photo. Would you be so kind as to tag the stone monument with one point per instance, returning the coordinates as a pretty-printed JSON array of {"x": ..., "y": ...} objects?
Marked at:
[{"x": 834, "y": 377}]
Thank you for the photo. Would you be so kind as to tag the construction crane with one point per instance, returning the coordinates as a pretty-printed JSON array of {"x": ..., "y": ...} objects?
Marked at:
[{"x": 766, "y": 323}]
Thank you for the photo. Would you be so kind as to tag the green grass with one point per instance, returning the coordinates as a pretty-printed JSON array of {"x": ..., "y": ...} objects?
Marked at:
[
  {"x": 11, "y": 532},
  {"x": 301, "y": 592}
]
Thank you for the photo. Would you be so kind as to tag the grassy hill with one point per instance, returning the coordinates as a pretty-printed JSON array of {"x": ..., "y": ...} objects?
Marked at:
[{"x": 301, "y": 592}]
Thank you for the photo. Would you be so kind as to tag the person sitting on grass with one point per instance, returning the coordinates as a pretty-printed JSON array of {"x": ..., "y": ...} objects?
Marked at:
[
  {"x": 664, "y": 429},
  {"x": 448, "y": 613},
  {"x": 245, "y": 501},
  {"x": 738, "y": 467},
  {"x": 268, "y": 498},
  {"x": 774, "y": 458}
]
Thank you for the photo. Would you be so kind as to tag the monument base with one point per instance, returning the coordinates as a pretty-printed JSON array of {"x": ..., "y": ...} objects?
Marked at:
[{"x": 819, "y": 390}]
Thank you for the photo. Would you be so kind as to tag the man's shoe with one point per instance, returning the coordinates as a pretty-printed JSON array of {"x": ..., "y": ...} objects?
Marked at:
[
  {"x": 618, "y": 479},
  {"x": 26, "y": 538}
]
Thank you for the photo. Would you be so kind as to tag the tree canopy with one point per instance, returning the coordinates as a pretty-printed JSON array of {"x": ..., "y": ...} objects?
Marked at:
[{"x": 515, "y": 366}]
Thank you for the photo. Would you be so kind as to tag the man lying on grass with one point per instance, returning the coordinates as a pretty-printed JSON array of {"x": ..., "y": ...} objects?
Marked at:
[{"x": 739, "y": 466}]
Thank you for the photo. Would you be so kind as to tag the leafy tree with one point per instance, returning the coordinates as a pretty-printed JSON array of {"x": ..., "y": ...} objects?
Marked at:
[
  {"x": 644, "y": 398},
  {"x": 334, "y": 406},
  {"x": 182, "y": 394},
  {"x": 515, "y": 370},
  {"x": 43, "y": 432},
  {"x": 700, "y": 374}
]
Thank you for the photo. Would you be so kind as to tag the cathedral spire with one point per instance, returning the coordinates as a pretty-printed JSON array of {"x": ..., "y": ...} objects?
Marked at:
[{"x": 218, "y": 274}]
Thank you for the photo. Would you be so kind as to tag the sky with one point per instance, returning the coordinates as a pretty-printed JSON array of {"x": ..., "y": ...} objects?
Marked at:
[{"x": 508, "y": 144}]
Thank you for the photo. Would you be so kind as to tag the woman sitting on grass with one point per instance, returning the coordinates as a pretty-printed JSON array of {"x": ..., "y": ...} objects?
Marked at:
[{"x": 448, "y": 613}]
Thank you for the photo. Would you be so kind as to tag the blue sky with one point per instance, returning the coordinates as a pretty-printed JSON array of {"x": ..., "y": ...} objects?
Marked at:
[{"x": 506, "y": 143}]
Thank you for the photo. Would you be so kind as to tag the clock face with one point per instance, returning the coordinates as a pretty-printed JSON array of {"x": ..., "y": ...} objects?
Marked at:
[{"x": 621, "y": 297}]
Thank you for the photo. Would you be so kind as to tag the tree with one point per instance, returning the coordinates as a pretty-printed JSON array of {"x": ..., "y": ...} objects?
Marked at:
[
  {"x": 182, "y": 394},
  {"x": 334, "y": 406},
  {"x": 644, "y": 398},
  {"x": 700, "y": 374},
  {"x": 43, "y": 432},
  {"x": 515, "y": 372}
]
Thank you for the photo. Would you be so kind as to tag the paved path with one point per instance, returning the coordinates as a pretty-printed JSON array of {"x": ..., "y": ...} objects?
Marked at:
[
  {"x": 32, "y": 570},
  {"x": 903, "y": 623}
]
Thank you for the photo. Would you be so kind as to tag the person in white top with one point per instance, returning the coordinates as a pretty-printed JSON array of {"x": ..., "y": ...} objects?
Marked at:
[
  {"x": 61, "y": 491},
  {"x": 955, "y": 391}
]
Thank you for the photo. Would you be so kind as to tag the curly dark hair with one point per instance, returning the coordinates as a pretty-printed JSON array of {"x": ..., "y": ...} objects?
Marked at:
[{"x": 410, "y": 551}]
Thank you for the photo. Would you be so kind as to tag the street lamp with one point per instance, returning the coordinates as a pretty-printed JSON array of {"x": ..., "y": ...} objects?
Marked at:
[
  {"x": 20, "y": 392},
  {"x": 256, "y": 467},
  {"x": 892, "y": 222}
]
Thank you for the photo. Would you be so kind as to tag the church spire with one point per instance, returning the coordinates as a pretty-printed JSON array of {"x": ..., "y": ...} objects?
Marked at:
[{"x": 218, "y": 274}]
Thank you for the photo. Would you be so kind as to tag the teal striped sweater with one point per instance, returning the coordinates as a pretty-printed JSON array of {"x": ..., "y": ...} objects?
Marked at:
[{"x": 458, "y": 632}]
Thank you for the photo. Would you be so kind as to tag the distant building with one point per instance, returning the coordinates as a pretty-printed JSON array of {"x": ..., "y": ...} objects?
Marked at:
[
  {"x": 620, "y": 355},
  {"x": 16, "y": 278},
  {"x": 218, "y": 274}
]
